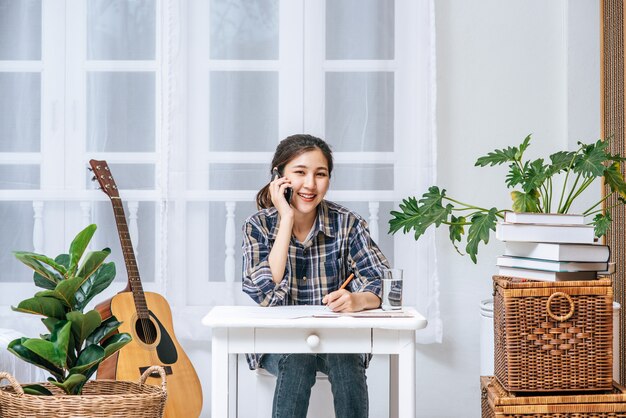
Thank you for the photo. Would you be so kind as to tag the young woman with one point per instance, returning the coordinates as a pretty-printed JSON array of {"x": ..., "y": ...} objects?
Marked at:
[{"x": 299, "y": 253}]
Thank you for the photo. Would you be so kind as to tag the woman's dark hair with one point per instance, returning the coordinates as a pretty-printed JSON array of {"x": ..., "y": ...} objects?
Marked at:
[{"x": 288, "y": 149}]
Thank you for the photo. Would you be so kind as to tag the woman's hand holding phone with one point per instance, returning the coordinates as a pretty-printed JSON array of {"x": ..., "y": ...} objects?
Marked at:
[{"x": 281, "y": 193}]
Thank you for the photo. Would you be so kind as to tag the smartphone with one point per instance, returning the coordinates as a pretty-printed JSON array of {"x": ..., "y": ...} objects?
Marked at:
[{"x": 288, "y": 190}]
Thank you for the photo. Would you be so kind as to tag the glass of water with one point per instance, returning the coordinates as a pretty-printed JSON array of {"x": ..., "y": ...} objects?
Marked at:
[{"x": 392, "y": 289}]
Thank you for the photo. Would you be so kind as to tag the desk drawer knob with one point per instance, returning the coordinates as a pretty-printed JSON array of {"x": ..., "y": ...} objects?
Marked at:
[{"x": 313, "y": 340}]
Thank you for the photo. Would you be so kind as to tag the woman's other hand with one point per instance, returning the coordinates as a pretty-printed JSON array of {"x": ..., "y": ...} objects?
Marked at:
[{"x": 344, "y": 301}]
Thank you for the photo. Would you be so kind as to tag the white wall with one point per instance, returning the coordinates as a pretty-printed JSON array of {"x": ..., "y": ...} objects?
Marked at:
[{"x": 505, "y": 69}]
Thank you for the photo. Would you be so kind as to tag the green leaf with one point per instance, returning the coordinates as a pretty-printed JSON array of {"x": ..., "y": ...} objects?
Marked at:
[
  {"x": 613, "y": 177},
  {"x": 40, "y": 281},
  {"x": 16, "y": 347},
  {"x": 71, "y": 383},
  {"x": 108, "y": 327},
  {"x": 64, "y": 260},
  {"x": 95, "y": 284},
  {"x": 535, "y": 176},
  {"x": 602, "y": 223},
  {"x": 112, "y": 344},
  {"x": 79, "y": 245},
  {"x": 50, "y": 323},
  {"x": 589, "y": 163},
  {"x": 497, "y": 157},
  {"x": 43, "y": 259},
  {"x": 89, "y": 372},
  {"x": 37, "y": 390},
  {"x": 43, "y": 282},
  {"x": 42, "y": 306},
  {"x": 92, "y": 262},
  {"x": 89, "y": 357},
  {"x": 523, "y": 146},
  {"x": 40, "y": 269},
  {"x": 457, "y": 229},
  {"x": 560, "y": 161},
  {"x": 83, "y": 324},
  {"x": 525, "y": 202},
  {"x": 55, "y": 350},
  {"x": 514, "y": 177},
  {"x": 68, "y": 288},
  {"x": 405, "y": 219},
  {"x": 479, "y": 230}
]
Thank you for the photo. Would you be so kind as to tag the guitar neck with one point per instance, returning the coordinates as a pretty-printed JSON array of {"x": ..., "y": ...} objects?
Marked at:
[{"x": 134, "y": 281}]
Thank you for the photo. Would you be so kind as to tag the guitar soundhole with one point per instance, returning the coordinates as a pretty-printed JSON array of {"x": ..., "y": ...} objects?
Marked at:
[{"x": 146, "y": 330}]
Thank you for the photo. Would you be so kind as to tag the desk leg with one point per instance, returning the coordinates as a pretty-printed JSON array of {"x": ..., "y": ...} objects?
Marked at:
[
  {"x": 406, "y": 375},
  {"x": 233, "y": 382},
  {"x": 219, "y": 373},
  {"x": 393, "y": 385}
]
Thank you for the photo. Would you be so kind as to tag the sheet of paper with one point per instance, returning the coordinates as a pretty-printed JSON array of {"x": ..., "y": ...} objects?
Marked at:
[{"x": 372, "y": 313}]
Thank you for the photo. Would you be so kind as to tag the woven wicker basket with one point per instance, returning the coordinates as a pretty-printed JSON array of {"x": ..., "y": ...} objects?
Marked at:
[
  {"x": 498, "y": 403},
  {"x": 553, "y": 336},
  {"x": 100, "y": 398}
]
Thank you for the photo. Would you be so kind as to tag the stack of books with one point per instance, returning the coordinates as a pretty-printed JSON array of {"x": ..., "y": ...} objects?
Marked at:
[{"x": 550, "y": 247}]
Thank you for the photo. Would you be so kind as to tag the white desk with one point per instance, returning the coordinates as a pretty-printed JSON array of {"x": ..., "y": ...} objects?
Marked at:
[{"x": 293, "y": 329}]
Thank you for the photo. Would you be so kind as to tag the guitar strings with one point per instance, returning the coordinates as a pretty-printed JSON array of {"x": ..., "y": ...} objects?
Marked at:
[{"x": 146, "y": 325}]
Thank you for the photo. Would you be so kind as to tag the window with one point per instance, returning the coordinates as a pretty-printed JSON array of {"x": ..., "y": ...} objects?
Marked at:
[{"x": 186, "y": 100}]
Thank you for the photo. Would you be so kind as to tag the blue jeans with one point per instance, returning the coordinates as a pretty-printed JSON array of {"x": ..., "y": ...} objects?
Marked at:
[{"x": 295, "y": 376}]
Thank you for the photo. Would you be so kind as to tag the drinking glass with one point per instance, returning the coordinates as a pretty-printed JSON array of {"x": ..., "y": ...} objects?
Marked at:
[{"x": 392, "y": 289}]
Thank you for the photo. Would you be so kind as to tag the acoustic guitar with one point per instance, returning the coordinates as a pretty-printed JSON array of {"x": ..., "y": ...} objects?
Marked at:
[{"x": 148, "y": 318}]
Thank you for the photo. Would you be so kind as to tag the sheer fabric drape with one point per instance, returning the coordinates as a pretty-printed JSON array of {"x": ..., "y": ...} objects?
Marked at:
[{"x": 187, "y": 101}]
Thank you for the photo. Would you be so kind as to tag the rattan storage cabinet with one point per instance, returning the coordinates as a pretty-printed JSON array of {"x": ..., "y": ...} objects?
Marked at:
[
  {"x": 498, "y": 403},
  {"x": 553, "y": 336}
]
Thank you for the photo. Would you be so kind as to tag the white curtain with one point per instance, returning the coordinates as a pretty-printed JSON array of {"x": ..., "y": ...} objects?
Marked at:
[
  {"x": 362, "y": 76},
  {"x": 187, "y": 100}
]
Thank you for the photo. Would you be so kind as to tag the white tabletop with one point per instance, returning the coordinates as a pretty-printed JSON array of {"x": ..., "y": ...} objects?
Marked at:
[{"x": 301, "y": 316}]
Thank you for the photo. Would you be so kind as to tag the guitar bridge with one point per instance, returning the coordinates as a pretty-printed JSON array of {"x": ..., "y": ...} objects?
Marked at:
[{"x": 168, "y": 370}]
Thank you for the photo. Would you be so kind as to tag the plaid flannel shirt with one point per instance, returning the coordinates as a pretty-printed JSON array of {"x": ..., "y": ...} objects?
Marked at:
[{"x": 338, "y": 244}]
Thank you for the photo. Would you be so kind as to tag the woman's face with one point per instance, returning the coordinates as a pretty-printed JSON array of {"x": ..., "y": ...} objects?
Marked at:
[{"x": 309, "y": 177}]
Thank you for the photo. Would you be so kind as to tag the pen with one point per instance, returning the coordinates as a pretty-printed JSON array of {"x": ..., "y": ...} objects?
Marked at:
[{"x": 343, "y": 286}]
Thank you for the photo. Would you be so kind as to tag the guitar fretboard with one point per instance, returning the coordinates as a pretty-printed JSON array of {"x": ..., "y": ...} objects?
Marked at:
[{"x": 134, "y": 280}]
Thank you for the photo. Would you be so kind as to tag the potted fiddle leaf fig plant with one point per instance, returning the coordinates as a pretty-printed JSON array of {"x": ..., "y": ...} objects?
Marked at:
[
  {"x": 535, "y": 190},
  {"x": 77, "y": 341}
]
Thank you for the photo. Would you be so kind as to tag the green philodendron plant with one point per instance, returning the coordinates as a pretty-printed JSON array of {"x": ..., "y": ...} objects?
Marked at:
[
  {"x": 77, "y": 342},
  {"x": 535, "y": 179}
]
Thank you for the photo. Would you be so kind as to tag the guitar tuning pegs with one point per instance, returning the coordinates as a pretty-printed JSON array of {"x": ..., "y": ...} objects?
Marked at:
[
  {"x": 94, "y": 178},
  {"x": 89, "y": 168}
]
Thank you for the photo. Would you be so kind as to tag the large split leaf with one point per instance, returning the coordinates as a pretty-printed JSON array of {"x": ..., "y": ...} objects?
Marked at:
[{"x": 479, "y": 230}]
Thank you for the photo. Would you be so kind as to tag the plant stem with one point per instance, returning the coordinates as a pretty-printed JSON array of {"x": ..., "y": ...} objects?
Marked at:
[
  {"x": 601, "y": 210},
  {"x": 581, "y": 189},
  {"x": 545, "y": 196},
  {"x": 563, "y": 209},
  {"x": 465, "y": 204},
  {"x": 569, "y": 169},
  {"x": 456, "y": 223},
  {"x": 550, "y": 194},
  {"x": 588, "y": 211}
]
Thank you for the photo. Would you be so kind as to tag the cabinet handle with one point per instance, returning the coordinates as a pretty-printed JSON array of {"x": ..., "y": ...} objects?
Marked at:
[{"x": 313, "y": 341}]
